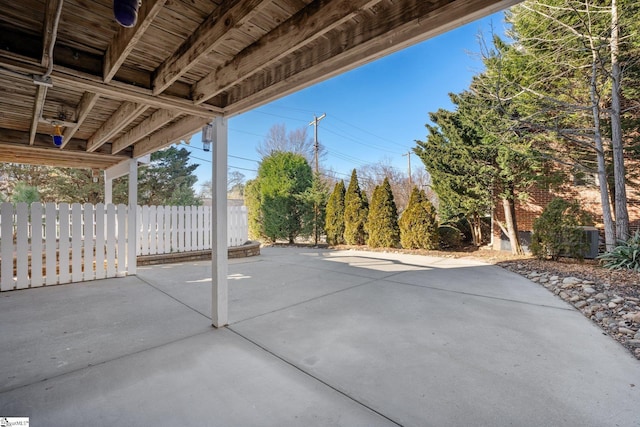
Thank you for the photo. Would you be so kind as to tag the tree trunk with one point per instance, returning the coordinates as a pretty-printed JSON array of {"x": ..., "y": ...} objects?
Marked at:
[
  {"x": 509, "y": 217},
  {"x": 475, "y": 224},
  {"x": 609, "y": 232},
  {"x": 620, "y": 201}
]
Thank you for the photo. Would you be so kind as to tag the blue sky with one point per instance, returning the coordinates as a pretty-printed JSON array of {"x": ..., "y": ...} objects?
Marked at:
[{"x": 374, "y": 112}]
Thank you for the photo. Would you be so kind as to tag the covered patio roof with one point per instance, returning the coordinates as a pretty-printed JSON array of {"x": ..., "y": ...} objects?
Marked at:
[{"x": 121, "y": 93}]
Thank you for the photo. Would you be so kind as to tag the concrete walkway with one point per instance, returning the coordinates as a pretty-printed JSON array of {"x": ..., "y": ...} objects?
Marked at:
[{"x": 317, "y": 338}]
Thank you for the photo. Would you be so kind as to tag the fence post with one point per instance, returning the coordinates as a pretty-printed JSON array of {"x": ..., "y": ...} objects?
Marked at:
[
  {"x": 6, "y": 246},
  {"x": 36, "y": 244}
]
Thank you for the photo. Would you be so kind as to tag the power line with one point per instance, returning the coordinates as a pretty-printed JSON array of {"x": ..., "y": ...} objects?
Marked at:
[
  {"x": 368, "y": 145},
  {"x": 347, "y": 136},
  {"x": 368, "y": 132}
]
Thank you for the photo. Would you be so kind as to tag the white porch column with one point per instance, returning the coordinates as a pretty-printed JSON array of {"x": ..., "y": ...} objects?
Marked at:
[
  {"x": 219, "y": 267},
  {"x": 108, "y": 189},
  {"x": 132, "y": 220}
]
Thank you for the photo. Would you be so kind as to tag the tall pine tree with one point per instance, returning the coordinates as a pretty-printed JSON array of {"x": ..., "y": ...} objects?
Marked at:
[
  {"x": 356, "y": 209},
  {"x": 334, "y": 224},
  {"x": 382, "y": 222},
  {"x": 418, "y": 225}
]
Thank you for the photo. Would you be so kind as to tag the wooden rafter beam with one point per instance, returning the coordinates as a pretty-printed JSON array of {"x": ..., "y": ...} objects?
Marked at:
[
  {"x": 207, "y": 37},
  {"x": 47, "y": 30},
  {"x": 38, "y": 104},
  {"x": 14, "y": 148},
  {"x": 126, "y": 38},
  {"x": 312, "y": 22},
  {"x": 56, "y": 157},
  {"x": 124, "y": 115},
  {"x": 74, "y": 79},
  {"x": 148, "y": 126},
  {"x": 401, "y": 24},
  {"x": 83, "y": 109},
  {"x": 175, "y": 132}
]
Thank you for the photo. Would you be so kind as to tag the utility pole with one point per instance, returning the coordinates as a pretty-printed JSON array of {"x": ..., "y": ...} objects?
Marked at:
[
  {"x": 408, "y": 154},
  {"x": 316, "y": 147}
]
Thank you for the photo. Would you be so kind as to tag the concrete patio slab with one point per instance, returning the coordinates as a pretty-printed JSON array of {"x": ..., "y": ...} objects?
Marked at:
[
  {"x": 317, "y": 337},
  {"x": 430, "y": 357},
  {"x": 49, "y": 331},
  {"x": 215, "y": 378}
]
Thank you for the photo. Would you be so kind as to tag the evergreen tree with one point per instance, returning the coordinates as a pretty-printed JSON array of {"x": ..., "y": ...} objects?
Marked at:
[
  {"x": 278, "y": 202},
  {"x": 167, "y": 180},
  {"x": 571, "y": 67},
  {"x": 316, "y": 198},
  {"x": 254, "y": 212},
  {"x": 24, "y": 193},
  {"x": 418, "y": 225},
  {"x": 382, "y": 221},
  {"x": 460, "y": 166},
  {"x": 356, "y": 209},
  {"x": 334, "y": 224}
]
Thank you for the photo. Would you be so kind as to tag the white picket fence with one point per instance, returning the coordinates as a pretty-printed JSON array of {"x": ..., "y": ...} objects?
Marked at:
[
  {"x": 61, "y": 243},
  {"x": 169, "y": 229}
]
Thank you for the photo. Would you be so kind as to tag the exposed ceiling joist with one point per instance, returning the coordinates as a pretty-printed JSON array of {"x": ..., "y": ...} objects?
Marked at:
[
  {"x": 83, "y": 109},
  {"x": 14, "y": 150},
  {"x": 231, "y": 14},
  {"x": 126, "y": 38},
  {"x": 41, "y": 95},
  {"x": 312, "y": 22},
  {"x": 124, "y": 115},
  {"x": 73, "y": 79},
  {"x": 148, "y": 126},
  {"x": 56, "y": 157},
  {"x": 179, "y": 130}
]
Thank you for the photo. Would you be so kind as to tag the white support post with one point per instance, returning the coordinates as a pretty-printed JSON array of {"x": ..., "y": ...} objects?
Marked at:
[
  {"x": 219, "y": 267},
  {"x": 108, "y": 189},
  {"x": 132, "y": 219}
]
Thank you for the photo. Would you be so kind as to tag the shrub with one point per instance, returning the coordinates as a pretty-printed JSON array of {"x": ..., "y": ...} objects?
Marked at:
[
  {"x": 557, "y": 231},
  {"x": 418, "y": 225},
  {"x": 624, "y": 256},
  {"x": 382, "y": 222},
  {"x": 450, "y": 237}
]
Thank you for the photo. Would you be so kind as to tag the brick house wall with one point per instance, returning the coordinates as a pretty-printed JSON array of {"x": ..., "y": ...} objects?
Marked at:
[{"x": 587, "y": 193}]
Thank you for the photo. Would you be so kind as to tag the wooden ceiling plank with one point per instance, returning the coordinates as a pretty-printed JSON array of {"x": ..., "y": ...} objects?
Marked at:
[
  {"x": 38, "y": 104},
  {"x": 124, "y": 115},
  {"x": 83, "y": 109},
  {"x": 126, "y": 38},
  {"x": 207, "y": 37},
  {"x": 167, "y": 136},
  {"x": 77, "y": 80},
  {"x": 402, "y": 24},
  {"x": 314, "y": 21},
  {"x": 149, "y": 125},
  {"x": 47, "y": 29}
]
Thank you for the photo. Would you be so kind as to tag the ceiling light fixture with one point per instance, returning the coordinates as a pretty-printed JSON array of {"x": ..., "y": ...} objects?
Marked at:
[
  {"x": 126, "y": 12},
  {"x": 57, "y": 136},
  {"x": 207, "y": 136}
]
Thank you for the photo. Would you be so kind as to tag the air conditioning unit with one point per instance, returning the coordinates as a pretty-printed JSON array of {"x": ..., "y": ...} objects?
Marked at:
[{"x": 593, "y": 238}]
